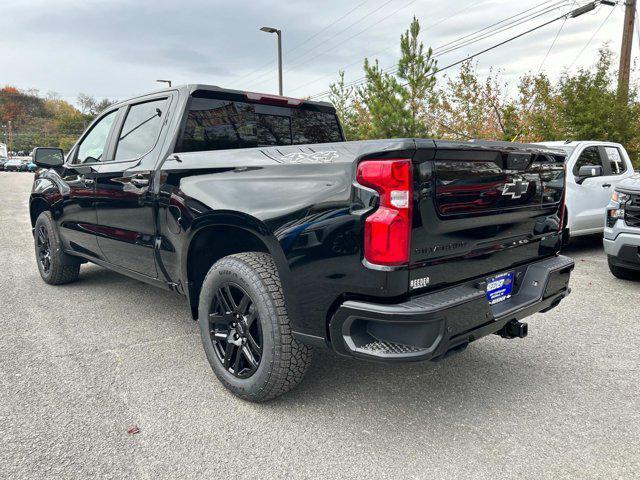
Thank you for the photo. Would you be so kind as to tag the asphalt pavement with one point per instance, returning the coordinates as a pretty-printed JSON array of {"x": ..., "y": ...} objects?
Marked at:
[{"x": 106, "y": 378}]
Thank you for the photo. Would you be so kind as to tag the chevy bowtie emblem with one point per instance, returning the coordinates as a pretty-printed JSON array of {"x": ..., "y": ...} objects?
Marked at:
[{"x": 515, "y": 189}]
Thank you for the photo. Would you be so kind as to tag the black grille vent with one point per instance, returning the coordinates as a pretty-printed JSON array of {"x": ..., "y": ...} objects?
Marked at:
[{"x": 632, "y": 211}]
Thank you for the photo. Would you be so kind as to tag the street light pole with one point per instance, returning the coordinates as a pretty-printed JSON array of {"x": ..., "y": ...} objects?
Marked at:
[{"x": 279, "y": 34}]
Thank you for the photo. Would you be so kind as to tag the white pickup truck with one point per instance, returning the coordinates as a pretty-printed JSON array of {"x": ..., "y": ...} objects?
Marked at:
[{"x": 594, "y": 169}]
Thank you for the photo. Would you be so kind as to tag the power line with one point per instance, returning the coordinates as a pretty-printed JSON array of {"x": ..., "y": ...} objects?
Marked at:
[
  {"x": 504, "y": 28},
  {"x": 336, "y": 34},
  {"x": 302, "y": 60},
  {"x": 533, "y": 15},
  {"x": 555, "y": 39},
  {"x": 442, "y": 20},
  {"x": 591, "y": 39},
  {"x": 493, "y": 47},
  {"x": 438, "y": 52},
  {"x": 544, "y": 59},
  {"x": 327, "y": 27},
  {"x": 259, "y": 69}
]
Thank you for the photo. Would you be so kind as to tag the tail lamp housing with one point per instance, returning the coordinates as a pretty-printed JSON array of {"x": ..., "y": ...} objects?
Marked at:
[{"x": 387, "y": 231}]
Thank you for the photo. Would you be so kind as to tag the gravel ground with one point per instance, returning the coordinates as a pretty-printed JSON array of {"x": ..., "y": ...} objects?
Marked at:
[{"x": 81, "y": 364}]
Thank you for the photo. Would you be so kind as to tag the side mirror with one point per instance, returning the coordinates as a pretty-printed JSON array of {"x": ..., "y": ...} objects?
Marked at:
[
  {"x": 588, "y": 171},
  {"x": 48, "y": 157}
]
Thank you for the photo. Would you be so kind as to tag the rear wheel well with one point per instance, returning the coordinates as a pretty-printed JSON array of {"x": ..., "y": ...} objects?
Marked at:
[
  {"x": 210, "y": 245},
  {"x": 37, "y": 206}
]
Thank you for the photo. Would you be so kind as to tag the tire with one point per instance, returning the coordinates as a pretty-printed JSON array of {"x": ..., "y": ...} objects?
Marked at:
[
  {"x": 270, "y": 362},
  {"x": 55, "y": 267},
  {"x": 621, "y": 272}
]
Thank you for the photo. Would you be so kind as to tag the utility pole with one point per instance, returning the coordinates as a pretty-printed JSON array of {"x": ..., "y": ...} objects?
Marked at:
[{"x": 624, "y": 71}]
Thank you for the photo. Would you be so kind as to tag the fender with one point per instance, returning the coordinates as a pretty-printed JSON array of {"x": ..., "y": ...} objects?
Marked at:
[
  {"x": 49, "y": 187},
  {"x": 251, "y": 225}
]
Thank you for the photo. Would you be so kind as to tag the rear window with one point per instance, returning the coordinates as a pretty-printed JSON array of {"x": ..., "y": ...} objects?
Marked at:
[{"x": 219, "y": 124}]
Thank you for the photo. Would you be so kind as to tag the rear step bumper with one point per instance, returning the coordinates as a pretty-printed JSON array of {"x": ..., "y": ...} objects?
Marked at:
[{"x": 435, "y": 325}]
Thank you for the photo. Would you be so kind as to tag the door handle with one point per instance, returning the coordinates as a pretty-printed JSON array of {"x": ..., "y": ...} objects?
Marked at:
[
  {"x": 139, "y": 181},
  {"x": 606, "y": 185}
]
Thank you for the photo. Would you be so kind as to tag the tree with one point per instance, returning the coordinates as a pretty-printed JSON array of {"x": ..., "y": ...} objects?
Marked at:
[
  {"x": 388, "y": 104},
  {"x": 382, "y": 103},
  {"x": 342, "y": 98},
  {"x": 417, "y": 71},
  {"x": 37, "y": 121},
  {"x": 540, "y": 110},
  {"x": 476, "y": 108},
  {"x": 91, "y": 107},
  {"x": 410, "y": 103}
]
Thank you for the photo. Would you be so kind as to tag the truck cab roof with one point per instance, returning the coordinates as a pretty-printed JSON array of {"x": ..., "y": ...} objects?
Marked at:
[
  {"x": 191, "y": 88},
  {"x": 576, "y": 143}
]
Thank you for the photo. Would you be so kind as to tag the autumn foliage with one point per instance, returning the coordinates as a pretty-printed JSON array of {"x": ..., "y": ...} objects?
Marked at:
[
  {"x": 414, "y": 102},
  {"x": 28, "y": 120}
]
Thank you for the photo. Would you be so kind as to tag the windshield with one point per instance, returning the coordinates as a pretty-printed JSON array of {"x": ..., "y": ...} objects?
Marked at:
[
  {"x": 567, "y": 149},
  {"x": 219, "y": 124}
]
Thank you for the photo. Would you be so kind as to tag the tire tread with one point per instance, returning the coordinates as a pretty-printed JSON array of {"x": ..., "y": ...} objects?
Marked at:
[
  {"x": 64, "y": 268},
  {"x": 291, "y": 359}
]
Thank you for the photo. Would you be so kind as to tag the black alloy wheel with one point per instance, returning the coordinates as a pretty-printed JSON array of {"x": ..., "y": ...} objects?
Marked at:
[
  {"x": 43, "y": 246},
  {"x": 235, "y": 331}
]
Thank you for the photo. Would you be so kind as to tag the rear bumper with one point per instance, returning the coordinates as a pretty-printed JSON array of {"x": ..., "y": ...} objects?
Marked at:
[{"x": 430, "y": 326}]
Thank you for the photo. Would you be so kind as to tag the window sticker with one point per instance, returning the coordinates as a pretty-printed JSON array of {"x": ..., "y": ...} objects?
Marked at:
[{"x": 613, "y": 154}]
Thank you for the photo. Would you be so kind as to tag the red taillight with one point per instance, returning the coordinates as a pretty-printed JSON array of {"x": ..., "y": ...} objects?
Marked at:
[{"x": 387, "y": 232}]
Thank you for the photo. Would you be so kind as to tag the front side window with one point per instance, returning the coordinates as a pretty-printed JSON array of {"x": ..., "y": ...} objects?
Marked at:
[
  {"x": 140, "y": 130},
  {"x": 614, "y": 159},
  {"x": 93, "y": 146},
  {"x": 590, "y": 156}
]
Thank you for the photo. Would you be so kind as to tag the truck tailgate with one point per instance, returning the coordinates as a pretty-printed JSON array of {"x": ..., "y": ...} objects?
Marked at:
[{"x": 483, "y": 208}]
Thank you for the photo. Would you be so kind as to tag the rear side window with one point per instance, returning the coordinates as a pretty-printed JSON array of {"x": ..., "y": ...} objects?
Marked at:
[
  {"x": 615, "y": 161},
  {"x": 314, "y": 127},
  {"x": 215, "y": 124},
  {"x": 590, "y": 156},
  {"x": 140, "y": 130}
]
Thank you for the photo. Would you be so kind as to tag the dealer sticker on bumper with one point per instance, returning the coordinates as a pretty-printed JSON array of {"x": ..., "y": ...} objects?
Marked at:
[{"x": 499, "y": 287}]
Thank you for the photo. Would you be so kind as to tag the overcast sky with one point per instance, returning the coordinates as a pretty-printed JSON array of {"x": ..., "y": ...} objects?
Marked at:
[{"x": 118, "y": 48}]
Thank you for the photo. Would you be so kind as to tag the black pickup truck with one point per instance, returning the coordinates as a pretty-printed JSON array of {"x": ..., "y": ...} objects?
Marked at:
[{"x": 283, "y": 236}]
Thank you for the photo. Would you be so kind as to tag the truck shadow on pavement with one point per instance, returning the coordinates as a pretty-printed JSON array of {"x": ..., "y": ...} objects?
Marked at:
[
  {"x": 492, "y": 367},
  {"x": 581, "y": 245}
]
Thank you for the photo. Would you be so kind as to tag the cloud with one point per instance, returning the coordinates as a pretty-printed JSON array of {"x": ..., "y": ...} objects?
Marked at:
[{"x": 119, "y": 48}]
